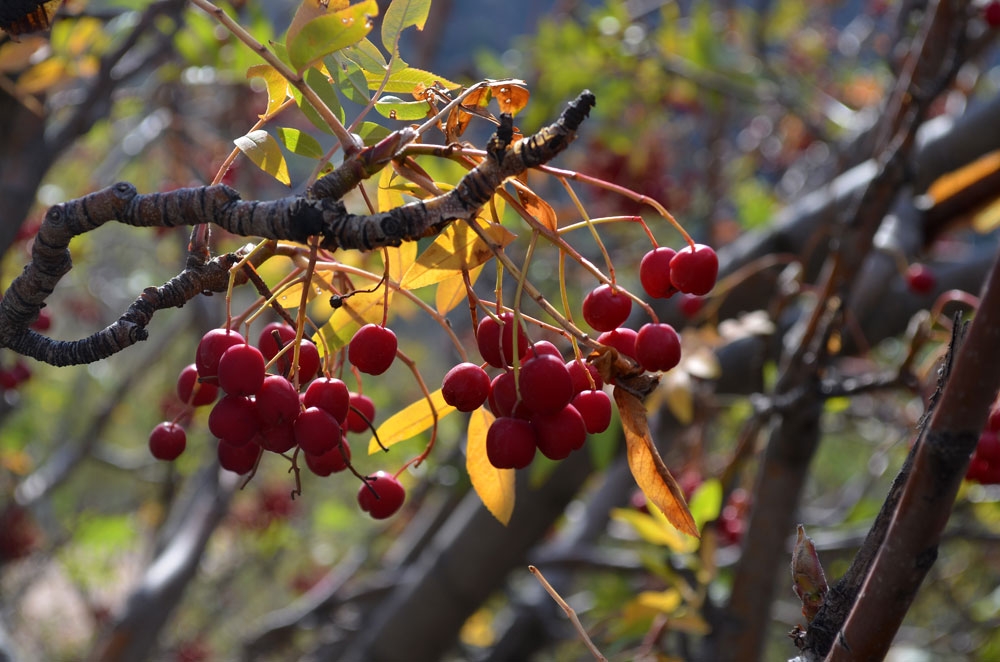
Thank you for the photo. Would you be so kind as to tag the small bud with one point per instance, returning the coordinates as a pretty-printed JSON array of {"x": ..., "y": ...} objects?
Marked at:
[{"x": 808, "y": 579}]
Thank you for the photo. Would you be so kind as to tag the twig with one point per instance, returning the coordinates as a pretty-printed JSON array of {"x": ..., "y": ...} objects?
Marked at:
[{"x": 569, "y": 612}]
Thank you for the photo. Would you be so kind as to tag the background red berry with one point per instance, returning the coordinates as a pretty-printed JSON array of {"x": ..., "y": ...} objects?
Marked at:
[
  {"x": 363, "y": 404},
  {"x": 186, "y": 383},
  {"x": 920, "y": 279}
]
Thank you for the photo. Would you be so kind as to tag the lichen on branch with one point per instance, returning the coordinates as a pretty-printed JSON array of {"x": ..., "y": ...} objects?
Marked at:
[{"x": 295, "y": 218}]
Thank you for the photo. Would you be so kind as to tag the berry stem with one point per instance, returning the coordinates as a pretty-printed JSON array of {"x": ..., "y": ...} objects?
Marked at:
[
  {"x": 235, "y": 269},
  {"x": 301, "y": 319},
  {"x": 516, "y": 331},
  {"x": 416, "y": 461},
  {"x": 593, "y": 230},
  {"x": 385, "y": 278},
  {"x": 621, "y": 190}
]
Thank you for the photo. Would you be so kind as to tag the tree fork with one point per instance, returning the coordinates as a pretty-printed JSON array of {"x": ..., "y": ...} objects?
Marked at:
[{"x": 295, "y": 218}]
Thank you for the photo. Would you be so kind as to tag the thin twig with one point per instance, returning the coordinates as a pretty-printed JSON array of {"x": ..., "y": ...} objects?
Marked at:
[{"x": 569, "y": 612}]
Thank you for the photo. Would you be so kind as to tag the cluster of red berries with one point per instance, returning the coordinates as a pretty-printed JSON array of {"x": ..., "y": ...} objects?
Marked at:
[
  {"x": 264, "y": 412},
  {"x": 13, "y": 377},
  {"x": 984, "y": 467},
  {"x": 732, "y": 521}
]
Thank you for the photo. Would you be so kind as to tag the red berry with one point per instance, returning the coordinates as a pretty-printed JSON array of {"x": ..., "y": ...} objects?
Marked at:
[
  {"x": 920, "y": 279},
  {"x": 316, "y": 431},
  {"x": 8, "y": 379},
  {"x": 465, "y": 387},
  {"x": 390, "y": 496},
  {"x": 329, "y": 394},
  {"x": 654, "y": 273},
  {"x": 277, "y": 401},
  {"x": 510, "y": 443},
  {"x": 308, "y": 361},
  {"x": 44, "y": 321},
  {"x": 238, "y": 459},
  {"x": 372, "y": 349},
  {"x": 732, "y": 530},
  {"x": 621, "y": 339},
  {"x": 167, "y": 441},
  {"x": 694, "y": 271},
  {"x": 989, "y": 447},
  {"x": 241, "y": 370},
  {"x": 578, "y": 375},
  {"x": 331, "y": 461},
  {"x": 657, "y": 347},
  {"x": 595, "y": 407},
  {"x": 488, "y": 339},
  {"x": 991, "y": 14},
  {"x": 186, "y": 382},
  {"x": 543, "y": 347},
  {"x": 559, "y": 434},
  {"x": 546, "y": 386},
  {"x": 993, "y": 422},
  {"x": 210, "y": 350},
  {"x": 277, "y": 438},
  {"x": 365, "y": 406},
  {"x": 978, "y": 470},
  {"x": 690, "y": 305},
  {"x": 606, "y": 309},
  {"x": 503, "y": 397},
  {"x": 21, "y": 371},
  {"x": 234, "y": 418},
  {"x": 265, "y": 342}
]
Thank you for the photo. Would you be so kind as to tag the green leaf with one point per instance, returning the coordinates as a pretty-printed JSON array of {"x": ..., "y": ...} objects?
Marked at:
[
  {"x": 330, "y": 33},
  {"x": 367, "y": 56},
  {"x": 349, "y": 78},
  {"x": 321, "y": 85},
  {"x": 371, "y": 132},
  {"x": 263, "y": 150},
  {"x": 400, "y": 15},
  {"x": 706, "y": 502},
  {"x": 300, "y": 143},
  {"x": 396, "y": 109},
  {"x": 406, "y": 79}
]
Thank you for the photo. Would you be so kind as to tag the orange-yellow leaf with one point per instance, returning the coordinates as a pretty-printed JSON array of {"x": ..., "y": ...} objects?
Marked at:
[
  {"x": 401, "y": 258},
  {"x": 457, "y": 247},
  {"x": 388, "y": 196},
  {"x": 292, "y": 297},
  {"x": 277, "y": 86},
  {"x": 541, "y": 210},
  {"x": 261, "y": 148},
  {"x": 42, "y": 76},
  {"x": 647, "y": 466},
  {"x": 512, "y": 98},
  {"x": 987, "y": 219},
  {"x": 410, "y": 422},
  {"x": 459, "y": 119},
  {"x": 451, "y": 291},
  {"x": 357, "y": 310},
  {"x": 960, "y": 179},
  {"x": 495, "y": 487}
]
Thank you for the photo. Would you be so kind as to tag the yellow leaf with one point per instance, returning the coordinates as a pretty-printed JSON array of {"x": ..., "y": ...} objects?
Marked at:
[
  {"x": 277, "y": 86},
  {"x": 676, "y": 389},
  {"x": 292, "y": 297},
  {"x": 451, "y": 291},
  {"x": 648, "y": 469},
  {"x": 16, "y": 55},
  {"x": 401, "y": 258},
  {"x": 307, "y": 11},
  {"x": 987, "y": 219},
  {"x": 410, "y": 422},
  {"x": 456, "y": 247},
  {"x": 666, "y": 601},
  {"x": 388, "y": 196},
  {"x": 261, "y": 148},
  {"x": 43, "y": 75},
  {"x": 356, "y": 310},
  {"x": 958, "y": 180},
  {"x": 651, "y": 530},
  {"x": 495, "y": 487},
  {"x": 541, "y": 210}
]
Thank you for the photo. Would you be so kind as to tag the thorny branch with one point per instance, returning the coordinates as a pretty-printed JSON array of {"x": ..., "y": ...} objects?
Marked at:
[{"x": 294, "y": 218}]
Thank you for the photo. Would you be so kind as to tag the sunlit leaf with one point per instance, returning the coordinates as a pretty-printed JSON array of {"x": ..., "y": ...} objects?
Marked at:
[
  {"x": 987, "y": 219},
  {"x": 666, "y": 601},
  {"x": 706, "y": 502},
  {"x": 331, "y": 32},
  {"x": 537, "y": 207},
  {"x": 410, "y": 421},
  {"x": 676, "y": 390},
  {"x": 357, "y": 310},
  {"x": 648, "y": 469},
  {"x": 512, "y": 98},
  {"x": 651, "y": 530},
  {"x": 405, "y": 80},
  {"x": 277, "y": 86},
  {"x": 401, "y": 258},
  {"x": 321, "y": 85},
  {"x": 457, "y": 247},
  {"x": 300, "y": 143},
  {"x": 261, "y": 148},
  {"x": 388, "y": 196},
  {"x": 43, "y": 75},
  {"x": 367, "y": 56},
  {"x": 348, "y": 77},
  {"x": 371, "y": 133},
  {"x": 292, "y": 296},
  {"x": 495, "y": 487},
  {"x": 309, "y": 10},
  {"x": 396, "y": 109},
  {"x": 451, "y": 291},
  {"x": 400, "y": 15},
  {"x": 458, "y": 119}
]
